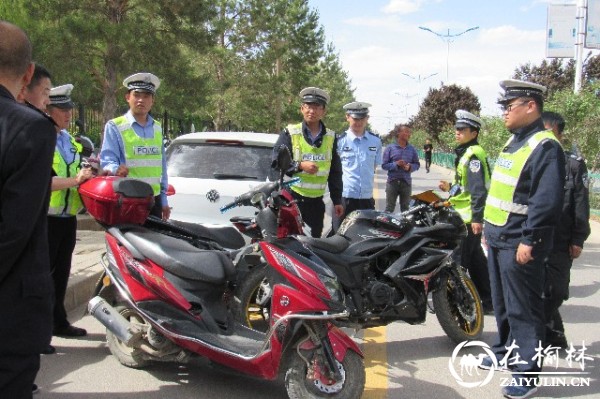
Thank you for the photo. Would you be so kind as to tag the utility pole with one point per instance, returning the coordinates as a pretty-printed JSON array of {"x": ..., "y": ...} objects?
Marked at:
[{"x": 580, "y": 42}]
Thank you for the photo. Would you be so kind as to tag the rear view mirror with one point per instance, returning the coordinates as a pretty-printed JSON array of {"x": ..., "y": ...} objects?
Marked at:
[{"x": 284, "y": 158}]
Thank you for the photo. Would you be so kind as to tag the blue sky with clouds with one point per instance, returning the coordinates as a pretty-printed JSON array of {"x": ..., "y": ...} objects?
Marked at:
[{"x": 379, "y": 41}]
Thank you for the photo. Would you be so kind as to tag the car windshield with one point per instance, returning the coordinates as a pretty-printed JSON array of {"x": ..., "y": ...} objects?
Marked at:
[{"x": 214, "y": 161}]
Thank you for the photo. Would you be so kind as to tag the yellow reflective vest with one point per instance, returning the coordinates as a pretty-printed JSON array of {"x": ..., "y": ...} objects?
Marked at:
[
  {"x": 67, "y": 201},
  {"x": 505, "y": 178},
  {"x": 312, "y": 186},
  {"x": 462, "y": 201},
  {"x": 143, "y": 155}
]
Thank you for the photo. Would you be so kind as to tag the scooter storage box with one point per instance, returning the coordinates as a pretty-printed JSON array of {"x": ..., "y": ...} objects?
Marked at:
[{"x": 113, "y": 200}]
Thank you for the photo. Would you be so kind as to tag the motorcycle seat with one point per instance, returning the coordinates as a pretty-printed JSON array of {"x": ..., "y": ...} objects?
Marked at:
[
  {"x": 179, "y": 257},
  {"x": 226, "y": 236},
  {"x": 335, "y": 244}
]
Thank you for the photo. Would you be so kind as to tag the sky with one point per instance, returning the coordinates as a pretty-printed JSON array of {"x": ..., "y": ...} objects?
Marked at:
[{"x": 379, "y": 42}]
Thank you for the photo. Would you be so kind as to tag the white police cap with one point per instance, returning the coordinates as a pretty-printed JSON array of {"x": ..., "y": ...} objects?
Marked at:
[
  {"x": 520, "y": 88},
  {"x": 467, "y": 119},
  {"x": 142, "y": 81},
  {"x": 60, "y": 96},
  {"x": 314, "y": 95},
  {"x": 357, "y": 109}
]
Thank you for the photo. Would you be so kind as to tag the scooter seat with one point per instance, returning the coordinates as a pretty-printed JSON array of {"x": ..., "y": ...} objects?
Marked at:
[
  {"x": 335, "y": 244},
  {"x": 180, "y": 257}
]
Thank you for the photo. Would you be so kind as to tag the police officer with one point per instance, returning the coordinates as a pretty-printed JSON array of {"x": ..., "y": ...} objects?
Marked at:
[
  {"x": 360, "y": 153},
  {"x": 572, "y": 231},
  {"x": 316, "y": 161},
  {"x": 473, "y": 177},
  {"x": 65, "y": 203},
  {"x": 133, "y": 143},
  {"x": 521, "y": 212}
]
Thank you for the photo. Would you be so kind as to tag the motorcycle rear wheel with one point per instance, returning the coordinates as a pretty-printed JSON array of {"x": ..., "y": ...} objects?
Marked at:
[
  {"x": 300, "y": 386},
  {"x": 252, "y": 306},
  {"x": 458, "y": 310},
  {"x": 127, "y": 355}
]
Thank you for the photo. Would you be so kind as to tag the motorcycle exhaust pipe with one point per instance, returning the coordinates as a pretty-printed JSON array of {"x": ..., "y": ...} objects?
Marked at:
[{"x": 111, "y": 319}]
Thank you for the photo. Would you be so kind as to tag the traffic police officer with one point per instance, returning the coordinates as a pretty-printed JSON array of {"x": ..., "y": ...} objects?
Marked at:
[
  {"x": 473, "y": 177},
  {"x": 316, "y": 161},
  {"x": 360, "y": 153},
  {"x": 133, "y": 143},
  {"x": 521, "y": 212},
  {"x": 572, "y": 231},
  {"x": 65, "y": 203}
]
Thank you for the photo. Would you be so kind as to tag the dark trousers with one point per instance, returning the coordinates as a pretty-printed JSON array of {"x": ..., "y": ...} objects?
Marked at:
[
  {"x": 427, "y": 162},
  {"x": 313, "y": 212},
  {"x": 518, "y": 306},
  {"x": 62, "y": 233},
  {"x": 157, "y": 208},
  {"x": 17, "y": 375},
  {"x": 556, "y": 289},
  {"x": 355, "y": 204},
  {"x": 474, "y": 260},
  {"x": 394, "y": 190}
]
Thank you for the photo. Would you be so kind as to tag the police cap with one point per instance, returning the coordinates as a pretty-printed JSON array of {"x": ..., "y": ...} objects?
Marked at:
[
  {"x": 314, "y": 95},
  {"x": 60, "y": 96},
  {"x": 520, "y": 88},
  {"x": 142, "y": 81},
  {"x": 357, "y": 109},
  {"x": 467, "y": 119}
]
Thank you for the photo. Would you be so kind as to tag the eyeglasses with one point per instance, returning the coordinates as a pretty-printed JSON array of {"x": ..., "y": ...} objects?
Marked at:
[
  {"x": 510, "y": 107},
  {"x": 312, "y": 106}
]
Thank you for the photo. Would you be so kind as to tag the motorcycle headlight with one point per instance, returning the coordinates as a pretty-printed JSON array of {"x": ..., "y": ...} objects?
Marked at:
[{"x": 333, "y": 288}]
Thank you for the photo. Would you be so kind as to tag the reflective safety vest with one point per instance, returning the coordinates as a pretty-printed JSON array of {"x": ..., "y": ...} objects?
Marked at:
[
  {"x": 462, "y": 201},
  {"x": 143, "y": 155},
  {"x": 505, "y": 178},
  {"x": 67, "y": 201},
  {"x": 311, "y": 186}
]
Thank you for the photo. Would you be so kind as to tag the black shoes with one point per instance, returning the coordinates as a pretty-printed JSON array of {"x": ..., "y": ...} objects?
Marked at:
[
  {"x": 69, "y": 331},
  {"x": 35, "y": 389},
  {"x": 48, "y": 350}
]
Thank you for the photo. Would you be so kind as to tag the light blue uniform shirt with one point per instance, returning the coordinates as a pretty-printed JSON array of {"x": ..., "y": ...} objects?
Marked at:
[
  {"x": 67, "y": 151},
  {"x": 360, "y": 156},
  {"x": 113, "y": 151}
]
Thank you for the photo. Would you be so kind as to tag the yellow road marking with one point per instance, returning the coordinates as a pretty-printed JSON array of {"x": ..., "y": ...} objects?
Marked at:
[{"x": 376, "y": 365}]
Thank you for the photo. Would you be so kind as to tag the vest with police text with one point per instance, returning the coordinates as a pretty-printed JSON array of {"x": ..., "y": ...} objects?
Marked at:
[
  {"x": 67, "y": 201},
  {"x": 505, "y": 178},
  {"x": 462, "y": 201},
  {"x": 311, "y": 186}
]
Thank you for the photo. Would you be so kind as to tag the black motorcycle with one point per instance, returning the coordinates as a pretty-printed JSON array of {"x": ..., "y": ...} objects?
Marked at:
[{"x": 388, "y": 265}]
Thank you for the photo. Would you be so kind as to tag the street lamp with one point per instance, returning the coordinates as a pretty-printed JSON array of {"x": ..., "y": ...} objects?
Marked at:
[
  {"x": 418, "y": 79},
  {"x": 448, "y": 38}
]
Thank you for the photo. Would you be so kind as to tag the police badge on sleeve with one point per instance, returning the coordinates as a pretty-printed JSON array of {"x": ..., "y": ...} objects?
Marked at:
[{"x": 475, "y": 165}]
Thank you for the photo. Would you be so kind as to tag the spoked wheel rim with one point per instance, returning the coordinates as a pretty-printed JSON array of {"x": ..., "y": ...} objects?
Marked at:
[{"x": 466, "y": 310}]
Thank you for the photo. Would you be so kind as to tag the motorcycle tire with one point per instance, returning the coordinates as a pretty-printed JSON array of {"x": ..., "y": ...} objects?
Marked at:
[
  {"x": 127, "y": 355},
  {"x": 299, "y": 386},
  {"x": 459, "y": 311},
  {"x": 252, "y": 304}
]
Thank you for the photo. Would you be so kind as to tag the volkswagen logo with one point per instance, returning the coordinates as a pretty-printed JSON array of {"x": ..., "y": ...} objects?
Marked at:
[{"x": 212, "y": 195}]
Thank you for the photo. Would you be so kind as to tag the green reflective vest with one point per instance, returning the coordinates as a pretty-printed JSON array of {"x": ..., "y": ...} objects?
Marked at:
[
  {"x": 505, "y": 178},
  {"x": 462, "y": 201},
  {"x": 311, "y": 186},
  {"x": 67, "y": 201},
  {"x": 143, "y": 155}
]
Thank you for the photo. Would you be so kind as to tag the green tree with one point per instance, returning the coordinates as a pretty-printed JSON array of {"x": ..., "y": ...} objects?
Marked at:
[{"x": 553, "y": 74}]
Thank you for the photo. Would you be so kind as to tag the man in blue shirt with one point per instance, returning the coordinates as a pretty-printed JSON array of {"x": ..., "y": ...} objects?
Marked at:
[
  {"x": 400, "y": 160},
  {"x": 360, "y": 152},
  {"x": 144, "y": 140}
]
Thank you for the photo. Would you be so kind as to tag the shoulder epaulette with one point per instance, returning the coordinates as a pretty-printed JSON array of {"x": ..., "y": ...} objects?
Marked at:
[
  {"x": 374, "y": 134},
  {"x": 341, "y": 135}
]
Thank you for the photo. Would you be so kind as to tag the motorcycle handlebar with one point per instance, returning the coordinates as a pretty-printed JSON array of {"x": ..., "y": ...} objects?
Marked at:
[{"x": 266, "y": 188}]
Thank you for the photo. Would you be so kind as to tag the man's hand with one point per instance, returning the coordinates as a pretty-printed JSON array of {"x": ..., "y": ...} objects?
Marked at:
[
  {"x": 309, "y": 167},
  {"x": 477, "y": 228},
  {"x": 524, "y": 254},
  {"x": 83, "y": 175},
  {"x": 444, "y": 185},
  {"x": 339, "y": 210},
  {"x": 166, "y": 212},
  {"x": 575, "y": 251},
  {"x": 122, "y": 171}
]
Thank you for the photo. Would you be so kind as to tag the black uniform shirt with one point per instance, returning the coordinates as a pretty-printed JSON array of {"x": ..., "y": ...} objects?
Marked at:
[
  {"x": 334, "y": 180},
  {"x": 540, "y": 187}
]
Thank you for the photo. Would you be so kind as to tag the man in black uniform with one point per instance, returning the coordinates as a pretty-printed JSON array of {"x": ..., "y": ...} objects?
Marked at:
[
  {"x": 27, "y": 140},
  {"x": 473, "y": 177},
  {"x": 572, "y": 231},
  {"x": 316, "y": 161},
  {"x": 521, "y": 212}
]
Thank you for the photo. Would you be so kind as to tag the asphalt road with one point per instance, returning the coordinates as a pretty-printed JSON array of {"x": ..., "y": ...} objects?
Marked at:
[{"x": 402, "y": 361}]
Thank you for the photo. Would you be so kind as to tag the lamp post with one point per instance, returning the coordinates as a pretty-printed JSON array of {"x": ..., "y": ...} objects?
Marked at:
[
  {"x": 448, "y": 38},
  {"x": 418, "y": 79}
]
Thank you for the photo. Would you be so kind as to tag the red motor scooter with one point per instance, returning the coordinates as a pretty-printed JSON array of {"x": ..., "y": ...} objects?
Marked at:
[{"x": 168, "y": 300}]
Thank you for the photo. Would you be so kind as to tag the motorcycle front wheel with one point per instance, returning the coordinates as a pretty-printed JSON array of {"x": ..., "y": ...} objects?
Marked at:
[
  {"x": 458, "y": 307},
  {"x": 252, "y": 304},
  {"x": 307, "y": 382}
]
